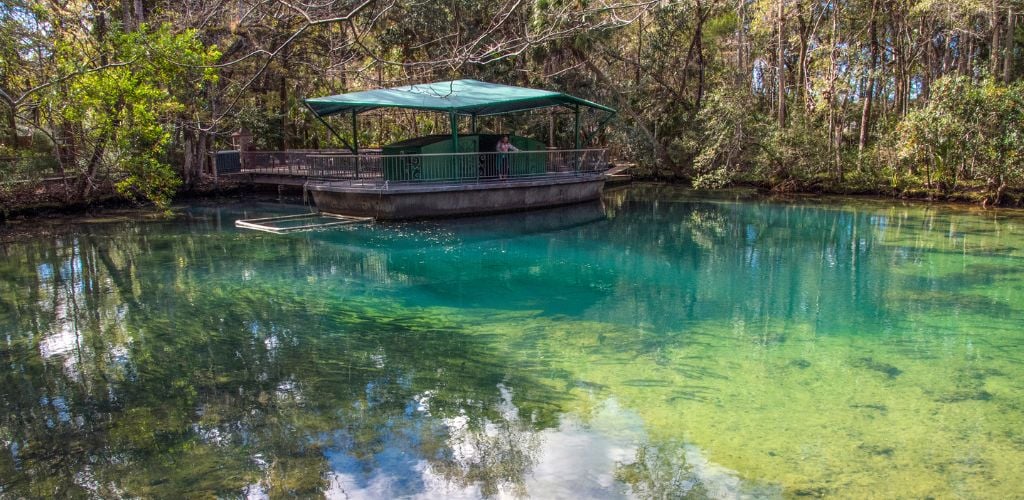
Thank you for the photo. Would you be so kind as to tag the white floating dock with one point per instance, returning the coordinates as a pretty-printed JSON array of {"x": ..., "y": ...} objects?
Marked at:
[{"x": 270, "y": 224}]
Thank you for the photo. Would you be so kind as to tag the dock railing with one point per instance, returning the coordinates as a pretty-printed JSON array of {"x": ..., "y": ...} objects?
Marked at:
[
  {"x": 421, "y": 168},
  {"x": 291, "y": 162}
]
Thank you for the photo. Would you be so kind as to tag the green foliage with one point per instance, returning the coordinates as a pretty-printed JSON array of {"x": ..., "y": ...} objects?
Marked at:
[
  {"x": 796, "y": 155},
  {"x": 696, "y": 85},
  {"x": 126, "y": 111},
  {"x": 726, "y": 140},
  {"x": 735, "y": 140},
  {"x": 966, "y": 131}
]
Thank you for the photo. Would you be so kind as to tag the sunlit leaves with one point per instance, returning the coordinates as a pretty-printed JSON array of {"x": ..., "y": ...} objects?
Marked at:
[
  {"x": 966, "y": 130},
  {"x": 126, "y": 110}
]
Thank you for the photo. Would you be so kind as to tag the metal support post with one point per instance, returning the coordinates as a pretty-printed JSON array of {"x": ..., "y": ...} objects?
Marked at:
[
  {"x": 576, "y": 127},
  {"x": 355, "y": 140}
]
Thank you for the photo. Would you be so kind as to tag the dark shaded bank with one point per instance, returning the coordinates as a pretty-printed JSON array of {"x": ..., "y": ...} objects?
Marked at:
[
  {"x": 47, "y": 201},
  {"x": 972, "y": 195},
  {"x": 754, "y": 193},
  {"x": 17, "y": 208}
]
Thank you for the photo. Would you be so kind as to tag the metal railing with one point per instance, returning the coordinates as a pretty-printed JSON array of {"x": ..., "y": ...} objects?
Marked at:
[
  {"x": 439, "y": 167},
  {"x": 291, "y": 162}
]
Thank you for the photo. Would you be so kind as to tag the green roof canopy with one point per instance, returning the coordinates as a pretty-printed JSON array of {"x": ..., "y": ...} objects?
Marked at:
[{"x": 462, "y": 97}]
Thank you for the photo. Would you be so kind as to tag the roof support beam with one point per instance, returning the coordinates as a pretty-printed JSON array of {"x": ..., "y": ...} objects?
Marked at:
[
  {"x": 355, "y": 134},
  {"x": 454, "y": 119},
  {"x": 329, "y": 127},
  {"x": 576, "y": 126}
]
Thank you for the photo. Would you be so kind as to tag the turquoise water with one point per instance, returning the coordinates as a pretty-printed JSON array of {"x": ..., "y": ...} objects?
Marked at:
[{"x": 659, "y": 344}]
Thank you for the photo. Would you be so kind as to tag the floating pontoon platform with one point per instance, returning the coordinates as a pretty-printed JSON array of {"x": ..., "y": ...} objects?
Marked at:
[{"x": 312, "y": 221}]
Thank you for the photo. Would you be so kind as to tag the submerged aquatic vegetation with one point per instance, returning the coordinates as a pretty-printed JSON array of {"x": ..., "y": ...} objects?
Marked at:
[{"x": 777, "y": 350}]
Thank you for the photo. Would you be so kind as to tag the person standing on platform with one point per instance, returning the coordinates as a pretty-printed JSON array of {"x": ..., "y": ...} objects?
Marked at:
[{"x": 504, "y": 147}]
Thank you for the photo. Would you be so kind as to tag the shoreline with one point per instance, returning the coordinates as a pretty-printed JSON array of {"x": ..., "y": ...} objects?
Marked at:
[{"x": 228, "y": 190}]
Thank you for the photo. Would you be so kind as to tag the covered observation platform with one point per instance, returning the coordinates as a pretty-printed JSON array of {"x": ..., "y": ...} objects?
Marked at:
[
  {"x": 442, "y": 175},
  {"x": 457, "y": 98}
]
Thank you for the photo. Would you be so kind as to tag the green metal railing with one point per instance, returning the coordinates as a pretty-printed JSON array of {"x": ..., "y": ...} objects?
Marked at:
[{"x": 457, "y": 167}]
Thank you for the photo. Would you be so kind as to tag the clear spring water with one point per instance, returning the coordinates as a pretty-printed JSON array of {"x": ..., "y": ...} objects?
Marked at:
[{"x": 661, "y": 344}]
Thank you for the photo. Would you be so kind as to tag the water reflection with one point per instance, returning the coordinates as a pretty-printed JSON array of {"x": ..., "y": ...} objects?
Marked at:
[{"x": 601, "y": 350}]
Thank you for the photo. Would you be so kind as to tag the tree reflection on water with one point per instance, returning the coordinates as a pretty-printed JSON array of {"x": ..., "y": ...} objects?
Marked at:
[
  {"x": 477, "y": 357},
  {"x": 141, "y": 359}
]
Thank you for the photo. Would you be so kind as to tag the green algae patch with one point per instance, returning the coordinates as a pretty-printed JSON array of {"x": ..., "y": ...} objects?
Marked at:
[{"x": 842, "y": 424}]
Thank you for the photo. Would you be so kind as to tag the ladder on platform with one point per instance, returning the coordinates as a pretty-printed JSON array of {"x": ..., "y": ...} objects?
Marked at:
[{"x": 295, "y": 223}]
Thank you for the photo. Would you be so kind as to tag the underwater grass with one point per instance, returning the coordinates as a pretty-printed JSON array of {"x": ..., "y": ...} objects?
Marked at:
[{"x": 680, "y": 345}]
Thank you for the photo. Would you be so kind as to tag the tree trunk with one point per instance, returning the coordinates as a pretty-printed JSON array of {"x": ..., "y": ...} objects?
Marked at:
[
  {"x": 970, "y": 58},
  {"x": 127, "y": 17},
  {"x": 12, "y": 127},
  {"x": 202, "y": 154},
  {"x": 741, "y": 44},
  {"x": 187, "y": 163},
  {"x": 926, "y": 73},
  {"x": 962, "y": 55},
  {"x": 194, "y": 165},
  {"x": 899, "y": 64},
  {"x": 100, "y": 28},
  {"x": 781, "y": 64},
  {"x": 87, "y": 182},
  {"x": 801, "y": 69},
  {"x": 833, "y": 68},
  {"x": 282, "y": 95},
  {"x": 1008, "y": 49},
  {"x": 865, "y": 116},
  {"x": 701, "y": 63},
  {"x": 947, "y": 55},
  {"x": 639, "y": 47},
  {"x": 993, "y": 57},
  {"x": 140, "y": 13}
]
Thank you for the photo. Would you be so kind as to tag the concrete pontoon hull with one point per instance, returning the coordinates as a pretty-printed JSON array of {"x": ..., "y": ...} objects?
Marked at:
[{"x": 420, "y": 201}]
